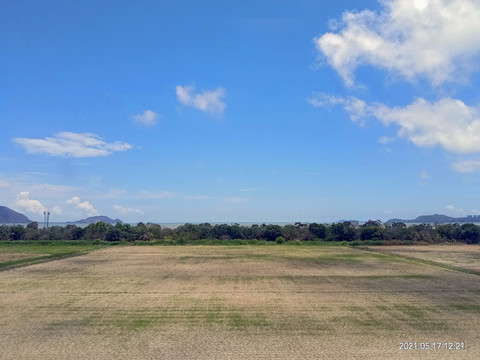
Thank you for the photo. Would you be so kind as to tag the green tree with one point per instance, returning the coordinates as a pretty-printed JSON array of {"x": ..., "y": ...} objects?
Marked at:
[
  {"x": 450, "y": 232},
  {"x": 56, "y": 232},
  {"x": 31, "y": 231},
  {"x": 318, "y": 230},
  {"x": 271, "y": 232},
  {"x": 343, "y": 231},
  {"x": 4, "y": 232},
  {"x": 113, "y": 234},
  {"x": 96, "y": 230},
  {"x": 289, "y": 232},
  {"x": 16, "y": 232},
  {"x": 155, "y": 230},
  {"x": 471, "y": 233},
  {"x": 372, "y": 230}
]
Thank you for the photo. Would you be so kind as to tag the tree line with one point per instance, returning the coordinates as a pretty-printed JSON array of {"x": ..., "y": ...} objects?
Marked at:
[{"x": 372, "y": 231}]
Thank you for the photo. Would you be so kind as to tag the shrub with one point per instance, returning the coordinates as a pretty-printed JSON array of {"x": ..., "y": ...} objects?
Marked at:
[{"x": 280, "y": 240}]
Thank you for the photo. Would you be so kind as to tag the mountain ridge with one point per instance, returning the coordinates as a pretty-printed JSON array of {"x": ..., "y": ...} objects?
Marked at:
[
  {"x": 9, "y": 216},
  {"x": 438, "y": 218},
  {"x": 95, "y": 219}
]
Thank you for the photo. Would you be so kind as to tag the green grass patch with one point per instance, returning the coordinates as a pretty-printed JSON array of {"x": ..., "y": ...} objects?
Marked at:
[
  {"x": 471, "y": 308},
  {"x": 413, "y": 312},
  {"x": 35, "y": 253},
  {"x": 397, "y": 257},
  {"x": 133, "y": 323},
  {"x": 238, "y": 320}
]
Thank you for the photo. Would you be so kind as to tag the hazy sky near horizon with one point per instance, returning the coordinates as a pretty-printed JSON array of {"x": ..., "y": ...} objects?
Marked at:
[{"x": 248, "y": 111}]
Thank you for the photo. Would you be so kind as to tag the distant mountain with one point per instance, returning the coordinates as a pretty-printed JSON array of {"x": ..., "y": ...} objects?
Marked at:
[
  {"x": 436, "y": 218},
  {"x": 95, "y": 219},
  {"x": 8, "y": 216}
]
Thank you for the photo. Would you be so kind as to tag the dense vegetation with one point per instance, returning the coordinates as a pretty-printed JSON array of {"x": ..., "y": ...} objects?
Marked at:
[{"x": 371, "y": 231}]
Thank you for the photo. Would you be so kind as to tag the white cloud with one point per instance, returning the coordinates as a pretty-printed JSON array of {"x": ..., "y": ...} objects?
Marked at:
[
  {"x": 386, "y": 139},
  {"x": 51, "y": 189},
  {"x": 236, "y": 200},
  {"x": 357, "y": 108},
  {"x": 321, "y": 99},
  {"x": 449, "y": 123},
  {"x": 199, "y": 197},
  {"x": 148, "y": 118},
  {"x": 466, "y": 166},
  {"x": 83, "y": 206},
  {"x": 155, "y": 195},
  {"x": 424, "y": 174},
  {"x": 432, "y": 39},
  {"x": 114, "y": 193},
  {"x": 71, "y": 144},
  {"x": 126, "y": 210},
  {"x": 206, "y": 101},
  {"x": 23, "y": 202},
  {"x": 455, "y": 211},
  {"x": 4, "y": 184},
  {"x": 57, "y": 210}
]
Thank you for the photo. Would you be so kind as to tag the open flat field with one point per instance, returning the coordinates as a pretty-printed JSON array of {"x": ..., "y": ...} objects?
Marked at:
[
  {"x": 462, "y": 256},
  {"x": 246, "y": 302},
  {"x": 14, "y": 255}
]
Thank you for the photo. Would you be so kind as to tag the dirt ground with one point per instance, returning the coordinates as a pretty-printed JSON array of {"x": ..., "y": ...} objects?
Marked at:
[{"x": 246, "y": 302}]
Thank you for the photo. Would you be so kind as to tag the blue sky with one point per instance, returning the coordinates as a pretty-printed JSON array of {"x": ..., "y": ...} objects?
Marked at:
[{"x": 251, "y": 111}]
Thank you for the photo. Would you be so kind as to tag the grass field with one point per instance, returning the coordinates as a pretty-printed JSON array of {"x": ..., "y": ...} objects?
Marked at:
[
  {"x": 462, "y": 257},
  {"x": 244, "y": 302}
]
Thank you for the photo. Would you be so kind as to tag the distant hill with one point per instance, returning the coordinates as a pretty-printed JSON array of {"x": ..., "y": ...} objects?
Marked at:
[
  {"x": 95, "y": 219},
  {"x": 438, "y": 219},
  {"x": 8, "y": 216}
]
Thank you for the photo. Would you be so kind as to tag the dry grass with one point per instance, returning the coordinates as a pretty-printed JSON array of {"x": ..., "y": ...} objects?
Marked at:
[
  {"x": 462, "y": 256},
  {"x": 246, "y": 302}
]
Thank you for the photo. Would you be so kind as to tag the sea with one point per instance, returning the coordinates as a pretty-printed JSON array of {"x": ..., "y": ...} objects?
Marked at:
[
  {"x": 174, "y": 225},
  {"x": 42, "y": 225}
]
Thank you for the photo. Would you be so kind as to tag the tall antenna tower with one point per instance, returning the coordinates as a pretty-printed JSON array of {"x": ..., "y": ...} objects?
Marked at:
[{"x": 46, "y": 215}]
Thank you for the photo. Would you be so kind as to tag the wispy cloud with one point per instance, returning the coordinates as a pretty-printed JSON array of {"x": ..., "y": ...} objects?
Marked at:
[
  {"x": 455, "y": 211},
  {"x": 357, "y": 108},
  {"x": 466, "y": 166},
  {"x": 386, "y": 139},
  {"x": 209, "y": 101},
  {"x": 114, "y": 193},
  {"x": 84, "y": 206},
  {"x": 69, "y": 144},
  {"x": 127, "y": 210},
  {"x": 4, "y": 184},
  {"x": 236, "y": 200},
  {"x": 199, "y": 197},
  {"x": 157, "y": 195},
  {"x": 424, "y": 174},
  {"x": 52, "y": 189},
  {"x": 432, "y": 39},
  {"x": 247, "y": 189},
  {"x": 147, "y": 118}
]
